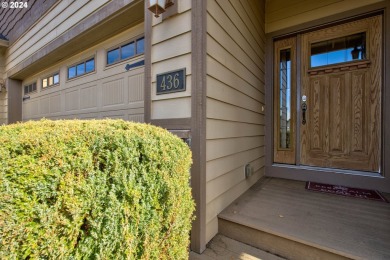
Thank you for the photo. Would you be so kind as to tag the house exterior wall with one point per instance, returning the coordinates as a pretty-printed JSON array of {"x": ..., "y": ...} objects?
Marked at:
[
  {"x": 281, "y": 14},
  {"x": 171, "y": 50},
  {"x": 223, "y": 108},
  {"x": 235, "y": 102},
  {"x": 57, "y": 34}
]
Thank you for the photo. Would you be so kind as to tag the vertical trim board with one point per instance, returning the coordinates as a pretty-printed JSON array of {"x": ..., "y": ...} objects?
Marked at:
[{"x": 198, "y": 124}]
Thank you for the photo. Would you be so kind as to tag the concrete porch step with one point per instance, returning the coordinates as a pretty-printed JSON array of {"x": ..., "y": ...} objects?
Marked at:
[
  {"x": 281, "y": 217},
  {"x": 224, "y": 248},
  {"x": 275, "y": 244}
]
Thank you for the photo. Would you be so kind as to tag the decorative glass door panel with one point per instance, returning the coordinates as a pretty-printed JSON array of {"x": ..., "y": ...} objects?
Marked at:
[{"x": 285, "y": 101}]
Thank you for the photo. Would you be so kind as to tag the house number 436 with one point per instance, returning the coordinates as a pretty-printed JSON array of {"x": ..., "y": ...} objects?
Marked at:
[{"x": 169, "y": 82}]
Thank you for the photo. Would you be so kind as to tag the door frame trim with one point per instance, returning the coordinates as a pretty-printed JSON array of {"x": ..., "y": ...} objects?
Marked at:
[{"x": 318, "y": 174}]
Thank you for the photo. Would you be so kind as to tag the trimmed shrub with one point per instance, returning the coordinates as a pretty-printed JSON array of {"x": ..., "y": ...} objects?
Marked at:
[{"x": 100, "y": 189}]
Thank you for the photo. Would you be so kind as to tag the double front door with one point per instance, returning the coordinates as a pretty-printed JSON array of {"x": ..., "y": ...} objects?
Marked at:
[{"x": 327, "y": 97}]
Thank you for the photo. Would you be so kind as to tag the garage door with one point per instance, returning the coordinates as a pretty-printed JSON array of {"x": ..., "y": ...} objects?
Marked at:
[{"x": 111, "y": 93}]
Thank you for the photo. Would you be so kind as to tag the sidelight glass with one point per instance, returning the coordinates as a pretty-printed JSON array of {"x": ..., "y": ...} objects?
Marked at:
[
  {"x": 338, "y": 50},
  {"x": 285, "y": 99}
]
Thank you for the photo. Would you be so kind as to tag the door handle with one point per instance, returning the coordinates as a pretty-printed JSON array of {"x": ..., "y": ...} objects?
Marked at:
[{"x": 304, "y": 108}]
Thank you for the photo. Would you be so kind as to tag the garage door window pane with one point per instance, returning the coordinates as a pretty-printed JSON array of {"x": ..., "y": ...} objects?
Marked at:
[
  {"x": 30, "y": 88},
  {"x": 56, "y": 78},
  {"x": 128, "y": 50},
  {"x": 90, "y": 65},
  {"x": 113, "y": 56},
  {"x": 80, "y": 69},
  {"x": 72, "y": 72},
  {"x": 44, "y": 83},
  {"x": 140, "y": 46}
]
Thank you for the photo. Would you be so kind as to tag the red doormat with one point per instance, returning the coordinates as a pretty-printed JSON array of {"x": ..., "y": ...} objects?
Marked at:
[{"x": 345, "y": 191}]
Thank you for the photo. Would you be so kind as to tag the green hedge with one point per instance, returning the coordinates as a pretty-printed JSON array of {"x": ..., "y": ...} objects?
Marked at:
[{"x": 100, "y": 189}]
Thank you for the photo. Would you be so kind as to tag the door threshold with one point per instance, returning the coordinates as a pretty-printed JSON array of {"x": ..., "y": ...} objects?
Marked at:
[
  {"x": 349, "y": 178},
  {"x": 330, "y": 170}
]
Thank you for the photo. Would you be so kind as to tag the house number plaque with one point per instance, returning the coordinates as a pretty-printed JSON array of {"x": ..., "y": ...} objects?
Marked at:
[{"x": 170, "y": 82}]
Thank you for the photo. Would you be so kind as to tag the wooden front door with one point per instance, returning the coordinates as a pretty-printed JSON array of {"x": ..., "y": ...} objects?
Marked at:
[{"x": 341, "y": 79}]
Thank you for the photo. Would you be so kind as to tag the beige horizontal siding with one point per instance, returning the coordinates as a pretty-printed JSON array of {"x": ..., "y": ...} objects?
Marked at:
[
  {"x": 217, "y": 71},
  {"x": 222, "y": 129},
  {"x": 235, "y": 102},
  {"x": 171, "y": 108},
  {"x": 3, "y": 108},
  {"x": 281, "y": 14},
  {"x": 235, "y": 96},
  {"x": 219, "y": 148},
  {"x": 230, "y": 112},
  {"x": 252, "y": 63},
  {"x": 171, "y": 50},
  {"x": 235, "y": 64},
  {"x": 61, "y": 17},
  {"x": 171, "y": 28},
  {"x": 220, "y": 166},
  {"x": 229, "y": 180}
]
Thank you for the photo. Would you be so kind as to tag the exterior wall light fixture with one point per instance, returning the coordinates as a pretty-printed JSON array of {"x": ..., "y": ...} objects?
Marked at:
[{"x": 159, "y": 6}]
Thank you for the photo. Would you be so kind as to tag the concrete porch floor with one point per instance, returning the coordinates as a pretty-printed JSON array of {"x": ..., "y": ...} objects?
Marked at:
[{"x": 281, "y": 217}]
